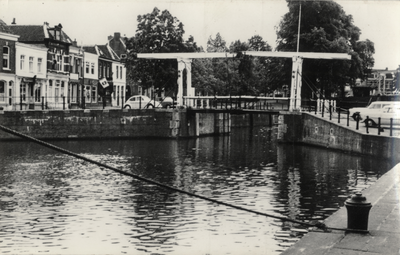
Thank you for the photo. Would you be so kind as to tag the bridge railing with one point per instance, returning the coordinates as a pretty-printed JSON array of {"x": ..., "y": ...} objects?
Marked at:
[{"x": 237, "y": 102}]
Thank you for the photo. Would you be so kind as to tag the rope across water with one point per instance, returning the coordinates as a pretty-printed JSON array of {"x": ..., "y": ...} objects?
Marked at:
[{"x": 319, "y": 225}]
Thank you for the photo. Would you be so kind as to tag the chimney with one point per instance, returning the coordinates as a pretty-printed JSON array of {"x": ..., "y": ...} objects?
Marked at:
[
  {"x": 13, "y": 23},
  {"x": 109, "y": 37},
  {"x": 75, "y": 43},
  {"x": 117, "y": 36}
]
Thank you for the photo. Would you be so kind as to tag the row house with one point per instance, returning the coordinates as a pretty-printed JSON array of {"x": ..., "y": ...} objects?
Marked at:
[
  {"x": 118, "y": 45},
  {"x": 76, "y": 80},
  {"x": 43, "y": 68},
  {"x": 104, "y": 65},
  {"x": 90, "y": 76},
  {"x": 7, "y": 68}
]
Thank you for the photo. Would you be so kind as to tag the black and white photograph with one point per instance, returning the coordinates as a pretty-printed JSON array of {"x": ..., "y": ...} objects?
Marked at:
[{"x": 149, "y": 127}]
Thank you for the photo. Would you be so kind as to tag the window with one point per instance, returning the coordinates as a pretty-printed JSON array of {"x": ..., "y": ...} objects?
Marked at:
[
  {"x": 6, "y": 57},
  {"x": 22, "y": 62},
  {"x": 31, "y": 64},
  {"x": 59, "y": 63},
  {"x": 2, "y": 90},
  {"x": 39, "y": 65},
  {"x": 92, "y": 68},
  {"x": 58, "y": 83},
  {"x": 114, "y": 92},
  {"x": 37, "y": 92},
  {"x": 50, "y": 91},
  {"x": 23, "y": 91},
  {"x": 87, "y": 67},
  {"x": 120, "y": 72},
  {"x": 117, "y": 71},
  {"x": 100, "y": 70},
  {"x": 94, "y": 94},
  {"x": 66, "y": 63}
]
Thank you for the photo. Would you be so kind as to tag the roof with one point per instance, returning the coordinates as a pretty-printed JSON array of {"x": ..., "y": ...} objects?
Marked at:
[
  {"x": 117, "y": 44},
  {"x": 38, "y": 33},
  {"x": 4, "y": 28},
  {"x": 103, "y": 51},
  {"x": 90, "y": 49},
  {"x": 28, "y": 33},
  {"x": 106, "y": 52}
]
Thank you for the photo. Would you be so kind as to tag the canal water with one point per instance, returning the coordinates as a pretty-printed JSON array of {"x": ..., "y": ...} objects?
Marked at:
[{"x": 51, "y": 203}]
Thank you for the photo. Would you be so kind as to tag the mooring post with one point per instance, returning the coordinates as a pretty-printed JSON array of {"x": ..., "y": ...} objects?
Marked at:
[
  {"x": 357, "y": 213},
  {"x": 379, "y": 126}
]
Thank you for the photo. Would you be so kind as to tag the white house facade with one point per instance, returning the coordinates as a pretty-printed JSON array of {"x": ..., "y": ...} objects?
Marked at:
[{"x": 31, "y": 85}]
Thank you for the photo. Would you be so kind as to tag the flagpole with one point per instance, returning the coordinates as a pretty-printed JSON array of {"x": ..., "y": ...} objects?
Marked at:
[{"x": 298, "y": 30}]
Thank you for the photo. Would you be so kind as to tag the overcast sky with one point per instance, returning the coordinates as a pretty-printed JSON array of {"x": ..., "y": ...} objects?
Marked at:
[{"x": 91, "y": 21}]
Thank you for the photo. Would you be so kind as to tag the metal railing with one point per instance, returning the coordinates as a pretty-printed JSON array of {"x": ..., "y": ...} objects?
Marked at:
[
  {"x": 25, "y": 103},
  {"x": 328, "y": 107},
  {"x": 237, "y": 102}
]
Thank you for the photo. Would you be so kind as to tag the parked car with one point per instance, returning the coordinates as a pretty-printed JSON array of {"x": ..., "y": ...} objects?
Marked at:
[
  {"x": 377, "y": 106},
  {"x": 141, "y": 102},
  {"x": 168, "y": 102},
  {"x": 387, "y": 113}
]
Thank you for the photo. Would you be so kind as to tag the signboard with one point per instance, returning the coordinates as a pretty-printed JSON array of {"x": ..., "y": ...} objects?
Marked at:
[{"x": 104, "y": 83}]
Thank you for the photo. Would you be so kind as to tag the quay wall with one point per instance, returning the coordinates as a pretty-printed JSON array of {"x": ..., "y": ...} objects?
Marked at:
[
  {"x": 313, "y": 130},
  {"x": 117, "y": 123},
  {"x": 74, "y": 124}
]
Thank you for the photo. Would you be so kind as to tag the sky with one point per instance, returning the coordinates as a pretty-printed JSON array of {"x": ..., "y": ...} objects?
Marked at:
[{"x": 90, "y": 22}]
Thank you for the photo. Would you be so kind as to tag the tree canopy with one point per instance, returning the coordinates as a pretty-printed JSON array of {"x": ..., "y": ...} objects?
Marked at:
[
  {"x": 157, "y": 32},
  {"x": 324, "y": 27}
]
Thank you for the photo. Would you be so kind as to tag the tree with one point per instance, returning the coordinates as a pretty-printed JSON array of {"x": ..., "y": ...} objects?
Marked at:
[
  {"x": 324, "y": 27},
  {"x": 256, "y": 43},
  {"x": 222, "y": 69},
  {"x": 157, "y": 32},
  {"x": 252, "y": 70}
]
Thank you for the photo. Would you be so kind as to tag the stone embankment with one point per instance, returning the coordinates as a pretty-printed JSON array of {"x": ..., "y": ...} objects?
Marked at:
[
  {"x": 315, "y": 130},
  {"x": 117, "y": 123}
]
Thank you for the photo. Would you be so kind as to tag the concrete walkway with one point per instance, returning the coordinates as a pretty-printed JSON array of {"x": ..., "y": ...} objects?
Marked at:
[{"x": 383, "y": 226}]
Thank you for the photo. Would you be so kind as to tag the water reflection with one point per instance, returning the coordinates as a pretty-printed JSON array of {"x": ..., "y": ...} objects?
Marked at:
[{"x": 52, "y": 203}]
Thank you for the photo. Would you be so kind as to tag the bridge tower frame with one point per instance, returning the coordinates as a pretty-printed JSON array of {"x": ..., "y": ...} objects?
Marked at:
[{"x": 185, "y": 61}]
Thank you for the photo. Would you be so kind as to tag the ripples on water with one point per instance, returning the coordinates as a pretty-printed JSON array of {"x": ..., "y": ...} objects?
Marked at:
[{"x": 54, "y": 204}]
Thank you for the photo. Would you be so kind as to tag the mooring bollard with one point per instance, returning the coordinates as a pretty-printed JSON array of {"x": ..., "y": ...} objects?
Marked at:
[{"x": 357, "y": 213}]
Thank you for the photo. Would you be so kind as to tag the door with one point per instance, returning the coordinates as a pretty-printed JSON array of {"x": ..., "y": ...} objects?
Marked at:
[{"x": 10, "y": 96}]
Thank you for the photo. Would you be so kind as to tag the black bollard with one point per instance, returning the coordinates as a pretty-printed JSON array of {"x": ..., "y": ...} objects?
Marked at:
[{"x": 357, "y": 213}]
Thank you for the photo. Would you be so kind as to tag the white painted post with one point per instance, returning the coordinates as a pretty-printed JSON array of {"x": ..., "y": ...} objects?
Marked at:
[
  {"x": 179, "y": 96},
  {"x": 295, "y": 90}
]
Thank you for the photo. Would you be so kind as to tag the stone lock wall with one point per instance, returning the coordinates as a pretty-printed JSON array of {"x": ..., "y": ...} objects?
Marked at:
[
  {"x": 117, "y": 123},
  {"x": 309, "y": 129},
  {"x": 93, "y": 123}
]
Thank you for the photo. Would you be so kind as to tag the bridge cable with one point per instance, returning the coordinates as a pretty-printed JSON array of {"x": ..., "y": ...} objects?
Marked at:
[{"x": 319, "y": 225}]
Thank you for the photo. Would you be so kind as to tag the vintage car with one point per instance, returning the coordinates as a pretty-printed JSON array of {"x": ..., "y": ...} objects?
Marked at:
[
  {"x": 388, "y": 114},
  {"x": 361, "y": 113},
  {"x": 140, "y": 102}
]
